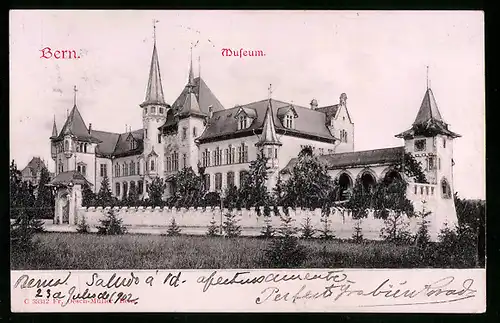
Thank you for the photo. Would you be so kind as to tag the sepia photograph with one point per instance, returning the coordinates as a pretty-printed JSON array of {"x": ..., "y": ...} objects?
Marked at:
[{"x": 214, "y": 140}]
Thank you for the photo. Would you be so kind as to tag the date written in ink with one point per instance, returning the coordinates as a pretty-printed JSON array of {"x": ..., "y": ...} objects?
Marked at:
[{"x": 49, "y": 53}]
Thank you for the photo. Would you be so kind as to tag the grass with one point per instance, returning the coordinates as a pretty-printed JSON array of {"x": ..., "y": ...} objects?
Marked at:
[{"x": 91, "y": 251}]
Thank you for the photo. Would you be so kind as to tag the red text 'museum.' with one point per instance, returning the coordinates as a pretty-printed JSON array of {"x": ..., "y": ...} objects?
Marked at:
[{"x": 242, "y": 52}]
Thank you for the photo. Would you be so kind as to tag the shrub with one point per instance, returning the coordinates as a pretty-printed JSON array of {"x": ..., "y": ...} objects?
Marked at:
[
  {"x": 111, "y": 224},
  {"x": 173, "y": 229},
  {"x": 213, "y": 229},
  {"x": 230, "y": 226},
  {"x": 83, "y": 227},
  {"x": 456, "y": 248},
  {"x": 307, "y": 231},
  {"x": 268, "y": 230}
]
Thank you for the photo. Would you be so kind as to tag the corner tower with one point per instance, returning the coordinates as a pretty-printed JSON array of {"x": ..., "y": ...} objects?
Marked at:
[
  {"x": 154, "y": 111},
  {"x": 431, "y": 143}
]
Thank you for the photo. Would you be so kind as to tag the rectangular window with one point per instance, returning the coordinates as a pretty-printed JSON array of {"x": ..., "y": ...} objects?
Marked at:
[
  {"x": 146, "y": 133},
  {"x": 203, "y": 159},
  {"x": 103, "y": 170},
  {"x": 228, "y": 161},
  {"x": 161, "y": 110},
  {"x": 184, "y": 160},
  {"x": 275, "y": 152},
  {"x": 184, "y": 133},
  {"x": 245, "y": 153},
  {"x": 117, "y": 189},
  {"x": 159, "y": 138},
  {"x": 218, "y": 181},
  {"x": 439, "y": 163},
  {"x": 195, "y": 132},
  {"x": 432, "y": 190},
  {"x": 240, "y": 154},
  {"x": 214, "y": 153},
  {"x": 427, "y": 190},
  {"x": 270, "y": 152},
  {"x": 138, "y": 168},
  {"x": 421, "y": 190},
  {"x": 415, "y": 189},
  {"x": 431, "y": 163},
  {"x": 243, "y": 176},
  {"x": 230, "y": 179},
  {"x": 444, "y": 142},
  {"x": 207, "y": 182},
  {"x": 140, "y": 187}
]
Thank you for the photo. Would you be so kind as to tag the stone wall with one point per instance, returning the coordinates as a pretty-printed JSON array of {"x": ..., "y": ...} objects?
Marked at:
[{"x": 197, "y": 220}]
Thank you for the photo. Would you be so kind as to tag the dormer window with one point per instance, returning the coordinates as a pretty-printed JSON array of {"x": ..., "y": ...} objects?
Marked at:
[
  {"x": 242, "y": 122},
  {"x": 289, "y": 121}
]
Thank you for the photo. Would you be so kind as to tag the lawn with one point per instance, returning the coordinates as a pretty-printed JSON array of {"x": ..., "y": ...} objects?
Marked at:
[{"x": 92, "y": 251}]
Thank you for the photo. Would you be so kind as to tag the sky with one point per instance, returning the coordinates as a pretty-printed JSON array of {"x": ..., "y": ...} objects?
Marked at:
[{"x": 379, "y": 59}]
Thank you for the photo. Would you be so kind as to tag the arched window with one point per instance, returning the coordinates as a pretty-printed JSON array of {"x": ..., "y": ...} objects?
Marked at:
[
  {"x": 152, "y": 165},
  {"x": 85, "y": 148},
  {"x": 78, "y": 148},
  {"x": 123, "y": 169},
  {"x": 132, "y": 168},
  {"x": 345, "y": 183},
  {"x": 391, "y": 176},
  {"x": 66, "y": 145},
  {"x": 368, "y": 181},
  {"x": 445, "y": 189}
]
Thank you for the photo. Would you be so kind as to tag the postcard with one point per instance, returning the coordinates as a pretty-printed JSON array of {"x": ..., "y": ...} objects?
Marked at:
[{"x": 247, "y": 161}]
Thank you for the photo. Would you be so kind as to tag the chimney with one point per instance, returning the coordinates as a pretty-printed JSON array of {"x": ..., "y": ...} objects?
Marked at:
[
  {"x": 343, "y": 99},
  {"x": 90, "y": 128},
  {"x": 210, "y": 111},
  {"x": 314, "y": 104}
]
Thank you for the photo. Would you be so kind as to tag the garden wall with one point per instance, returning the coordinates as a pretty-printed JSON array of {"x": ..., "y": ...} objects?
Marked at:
[{"x": 197, "y": 220}]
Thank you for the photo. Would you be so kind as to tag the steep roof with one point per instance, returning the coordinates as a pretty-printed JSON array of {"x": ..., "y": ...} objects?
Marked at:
[
  {"x": 154, "y": 91},
  {"x": 309, "y": 122},
  {"x": 357, "y": 158},
  {"x": 190, "y": 106},
  {"x": 123, "y": 145},
  {"x": 108, "y": 141},
  {"x": 428, "y": 121},
  {"x": 35, "y": 165},
  {"x": 204, "y": 96},
  {"x": 268, "y": 136},
  {"x": 330, "y": 111},
  {"x": 70, "y": 177},
  {"x": 75, "y": 126}
]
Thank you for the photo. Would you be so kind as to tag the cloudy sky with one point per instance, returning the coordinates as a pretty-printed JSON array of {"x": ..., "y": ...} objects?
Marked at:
[{"x": 378, "y": 58}]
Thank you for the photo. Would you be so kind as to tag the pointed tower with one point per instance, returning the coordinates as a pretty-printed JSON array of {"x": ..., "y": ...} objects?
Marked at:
[
  {"x": 191, "y": 125},
  {"x": 153, "y": 116},
  {"x": 269, "y": 145},
  {"x": 431, "y": 143},
  {"x": 53, "y": 146}
]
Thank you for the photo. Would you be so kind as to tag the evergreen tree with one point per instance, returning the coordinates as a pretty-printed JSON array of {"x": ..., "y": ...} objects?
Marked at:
[
  {"x": 88, "y": 197},
  {"x": 133, "y": 196},
  {"x": 307, "y": 230},
  {"x": 213, "y": 229},
  {"x": 156, "y": 190},
  {"x": 326, "y": 231},
  {"x": 253, "y": 190},
  {"x": 26, "y": 223},
  {"x": 111, "y": 224},
  {"x": 104, "y": 196},
  {"x": 357, "y": 235},
  {"x": 45, "y": 199},
  {"x": 360, "y": 201},
  {"x": 173, "y": 229},
  {"x": 82, "y": 226},
  {"x": 230, "y": 226},
  {"x": 15, "y": 191},
  {"x": 285, "y": 251},
  {"x": 267, "y": 231},
  {"x": 422, "y": 237}
]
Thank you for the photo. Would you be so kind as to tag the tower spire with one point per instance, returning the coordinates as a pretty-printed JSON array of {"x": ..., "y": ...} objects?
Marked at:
[
  {"x": 191, "y": 75},
  {"x": 427, "y": 76},
  {"x": 54, "y": 127},
  {"x": 154, "y": 91},
  {"x": 269, "y": 136},
  {"x": 74, "y": 95}
]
